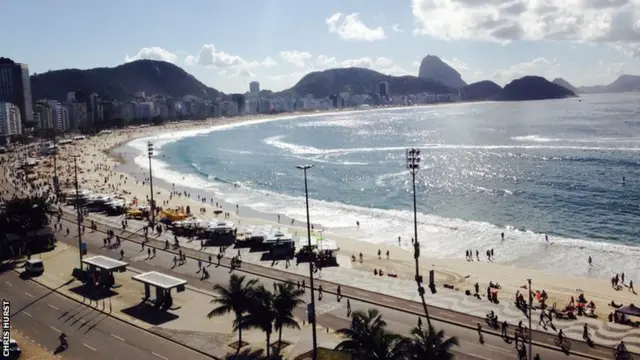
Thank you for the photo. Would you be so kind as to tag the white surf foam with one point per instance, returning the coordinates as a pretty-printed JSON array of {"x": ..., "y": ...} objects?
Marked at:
[{"x": 439, "y": 236}]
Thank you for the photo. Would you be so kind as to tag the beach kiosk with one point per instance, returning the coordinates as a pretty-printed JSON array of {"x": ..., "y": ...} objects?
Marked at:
[
  {"x": 100, "y": 270},
  {"x": 163, "y": 284}
]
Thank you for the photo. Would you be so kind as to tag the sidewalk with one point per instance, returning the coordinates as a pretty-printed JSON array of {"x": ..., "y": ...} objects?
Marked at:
[
  {"x": 31, "y": 350},
  {"x": 188, "y": 325},
  {"x": 602, "y": 332}
]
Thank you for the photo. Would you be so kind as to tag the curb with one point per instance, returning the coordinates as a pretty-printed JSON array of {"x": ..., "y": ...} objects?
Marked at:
[
  {"x": 122, "y": 320},
  {"x": 371, "y": 302},
  {"x": 35, "y": 343}
]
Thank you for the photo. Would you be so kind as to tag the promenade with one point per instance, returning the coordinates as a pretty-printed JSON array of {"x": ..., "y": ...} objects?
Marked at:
[{"x": 400, "y": 313}]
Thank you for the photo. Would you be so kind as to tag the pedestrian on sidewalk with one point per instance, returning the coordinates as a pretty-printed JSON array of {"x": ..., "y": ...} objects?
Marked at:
[
  {"x": 338, "y": 293},
  {"x": 505, "y": 328},
  {"x": 199, "y": 266},
  {"x": 348, "y": 308},
  {"x": 121, "y": 254},
  {"x": 154, "y": 252},
  {"x": 320, "y": 292},
  {"x": 419, "y": 322},
  {"x": 148, "y": 253},
  {"x": 209, "y": 259}
]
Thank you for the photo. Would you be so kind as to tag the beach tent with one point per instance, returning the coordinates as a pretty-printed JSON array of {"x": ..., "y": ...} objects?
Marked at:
[{"x": 630, "y": 310}]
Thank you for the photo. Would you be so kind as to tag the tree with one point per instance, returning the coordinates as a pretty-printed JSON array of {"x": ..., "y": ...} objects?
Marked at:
[
  {"x": 20, "y": 216},
  {"x": 429, "y": 345},
  {"x": 236, "y": 298},
  {"x": 368, "y": 338},
  {"x": 287, "y": 298},
  {"x": 261, "y": 314}
]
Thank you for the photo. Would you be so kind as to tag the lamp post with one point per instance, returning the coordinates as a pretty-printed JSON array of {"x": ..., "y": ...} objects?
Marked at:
[
  {"x": 413, "y": 165},
  {"x": 78, "y": 212},
  {"x": 312, "y": 307},
  {"x": 56, "y": 181},
  {"x": 530, "y": 305},
  {"x": 153, "y": 205}
]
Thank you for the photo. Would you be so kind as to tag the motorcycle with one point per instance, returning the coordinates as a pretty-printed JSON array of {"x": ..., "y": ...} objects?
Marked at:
[{"x": 492, "y": 321}]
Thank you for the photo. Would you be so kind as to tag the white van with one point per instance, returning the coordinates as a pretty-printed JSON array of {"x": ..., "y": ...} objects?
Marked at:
[{"x": 34, "y": 266}]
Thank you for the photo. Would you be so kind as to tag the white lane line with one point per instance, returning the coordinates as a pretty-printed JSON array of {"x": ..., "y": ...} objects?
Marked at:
[
  {"x": 26, "y": 313},
  {"x": 89, "y": 347},
  {"x": 29, "y": 295},
  {"x": 54, "y": 329},
  {"x": 53, "y": 307},
  {"x": 8, "y": 283},
  {"x": 496, "y": 348},
  {"x": 117, "y": 337},
  {"x": 160, "y": 356}
]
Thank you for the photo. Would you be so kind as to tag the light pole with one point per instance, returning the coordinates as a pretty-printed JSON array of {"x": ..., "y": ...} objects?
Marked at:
[
  {"x": 78, "y": 213},
  {"x": 413, "y": 165},
  {"x": 312, "y": 307},
  {"x": 153, "y": 205},
  {"x": 530, "y": 305},
  {"x": 56, "y": 181}
]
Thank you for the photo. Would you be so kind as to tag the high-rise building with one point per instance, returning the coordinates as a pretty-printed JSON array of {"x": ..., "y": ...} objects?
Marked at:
[
  {"x": 44, "y": 114},
  {"x": 94, "y": 109},
  {"x": 383, "y": 89},
  {"x": 254, "y": 88},
  {"x": 10, "y": 121},
  {"x": 15, "y": 87},
  {"x": 59, "y": 116}
]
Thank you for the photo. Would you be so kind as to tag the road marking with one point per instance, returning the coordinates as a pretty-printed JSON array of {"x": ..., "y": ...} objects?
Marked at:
[
  {"x": 8, "y": 283},
  {"x": 160, "y": 356},
  {"x": 29, "y": 295},
  {"x": 89, "y": 347},
  {"x": 54, "y": 329},
  {"x": 53, "y": 307},
  {"x": 26, "y": 313},
  {"x": 117, "y": 337},
  {"x": 498, "y": 348}
]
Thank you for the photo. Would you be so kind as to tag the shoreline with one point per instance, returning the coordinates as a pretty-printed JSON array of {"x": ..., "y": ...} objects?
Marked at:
[{"x": 96, "y": 165}]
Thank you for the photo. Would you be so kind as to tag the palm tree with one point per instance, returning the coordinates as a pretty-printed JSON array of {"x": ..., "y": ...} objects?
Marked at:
[
  {"x": 429, "y": 344},
  {"x": 22, "y": 217},
  {"x": 236, "y": 298},
  {"x": 261, "y": 314},
  {"x": 246, "y": 354},
  {"x": 287, "y": 298},
  {"x": 368, "y": 338}
]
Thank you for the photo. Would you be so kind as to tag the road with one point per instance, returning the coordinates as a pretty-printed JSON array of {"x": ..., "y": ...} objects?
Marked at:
[
  {"x": 42, "y": 315},
  {"x": 329, "y": 312}
]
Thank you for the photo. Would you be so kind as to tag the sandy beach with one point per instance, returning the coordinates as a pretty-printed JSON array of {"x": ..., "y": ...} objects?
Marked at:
[{"x": 105, "y": 166}]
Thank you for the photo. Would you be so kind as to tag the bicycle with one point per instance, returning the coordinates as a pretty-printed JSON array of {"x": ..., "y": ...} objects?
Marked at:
[{"x": 563, "y": 343}]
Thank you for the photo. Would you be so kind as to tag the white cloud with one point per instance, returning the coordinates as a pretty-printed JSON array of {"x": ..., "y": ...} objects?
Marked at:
[
  {"x": 349, "y": 27},
  {"x": 297, "y": 58},
  {"x": 153, "y": 53},
  {"x": 538, "y": 66},
  {"x": 380, "y": 64},
  {"x": 612, "y": 21},
  {"x": 327, "y": 61},
  {"x": 229, "y": 65},
  {"x": 397, "y": 28}
]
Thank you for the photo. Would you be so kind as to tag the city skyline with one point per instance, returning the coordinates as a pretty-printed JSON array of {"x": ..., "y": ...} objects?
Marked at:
[{"x": 226, "y": 45}]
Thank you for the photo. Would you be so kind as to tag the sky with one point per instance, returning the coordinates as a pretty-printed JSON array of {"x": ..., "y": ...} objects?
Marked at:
[{"x": 227, "y": 44}]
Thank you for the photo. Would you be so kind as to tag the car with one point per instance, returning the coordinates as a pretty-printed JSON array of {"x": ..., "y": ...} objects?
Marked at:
[
  {"x": 14, "y": 349},
  {"x": 34, "y": 267}
]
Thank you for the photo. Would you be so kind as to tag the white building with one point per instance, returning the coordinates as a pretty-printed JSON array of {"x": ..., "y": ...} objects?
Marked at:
[
  {"x": 43, "y": 112},
  {"x": 59, "y": 116},
  {"x": 10, "y": 120}
]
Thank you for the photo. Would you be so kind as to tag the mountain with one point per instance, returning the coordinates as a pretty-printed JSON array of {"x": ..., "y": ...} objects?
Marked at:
[
  {"x": 480, "y": 91},
  {"x": 624, "y": 83},
  {"x": 533, "y": 88},
  {"x": 565, "y": 84},
  {"x": 121, "y": 82},
  {"x": 325, "y": 83},
  {"x": 432, "y": 67}
]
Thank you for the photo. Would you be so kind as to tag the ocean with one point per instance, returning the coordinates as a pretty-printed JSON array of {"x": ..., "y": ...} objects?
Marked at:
[{"x": 523, "y": 168}]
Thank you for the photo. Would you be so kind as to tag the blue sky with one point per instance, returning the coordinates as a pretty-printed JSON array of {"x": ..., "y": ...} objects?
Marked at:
[{"x": 226, "y": 44}]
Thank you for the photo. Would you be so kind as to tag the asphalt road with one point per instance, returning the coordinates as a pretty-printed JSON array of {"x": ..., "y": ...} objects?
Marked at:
[
  {"x": 42, "y": 315},
  {"x": 329, "y": 312}
]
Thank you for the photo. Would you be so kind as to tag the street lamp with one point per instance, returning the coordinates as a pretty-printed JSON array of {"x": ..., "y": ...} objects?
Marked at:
[
  {"x": 530, "y": 305},
  {"x": 56, "y": 181},
  {"x": 78, "y": 212},
  {"x": 413, "y": 165},
  {"x": 311, "y": 308},
  {"x": 153, "y": 205}
]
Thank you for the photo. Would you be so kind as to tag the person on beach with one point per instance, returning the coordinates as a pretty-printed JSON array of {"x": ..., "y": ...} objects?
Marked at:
[
  {"x": 590, "y": 261},
  {"x": 631, "y": 286},
  {"x": 502, "y": 236}
]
